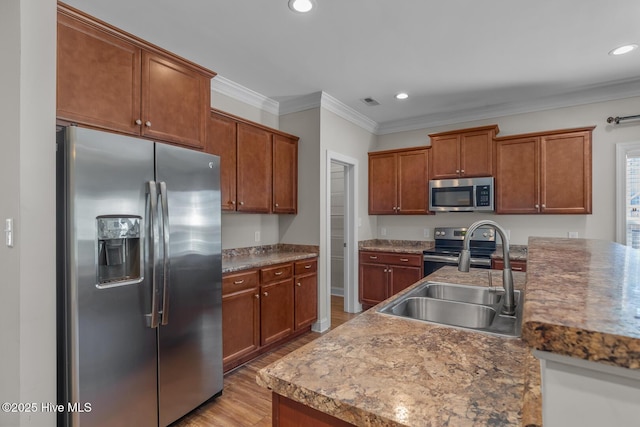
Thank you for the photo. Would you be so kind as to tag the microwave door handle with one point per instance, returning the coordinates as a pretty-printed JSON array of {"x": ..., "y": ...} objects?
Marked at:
[
  {"x": 166, "y": 265},
  {"x": 152, "y": 209}
]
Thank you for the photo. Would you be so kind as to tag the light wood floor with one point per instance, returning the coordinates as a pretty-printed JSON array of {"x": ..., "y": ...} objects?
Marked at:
[{"x": 243, "y": 402}]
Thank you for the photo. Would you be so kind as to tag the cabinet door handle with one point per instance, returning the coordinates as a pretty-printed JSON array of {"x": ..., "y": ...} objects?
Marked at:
[
  {"x": 257, "y": 296},
  {"x": 233, "y": 202},
  {"x": 404, "y": 259},
  {"x": 138, "y": 122},
  {"x": 241, "y": 203},
  {"x": 277, "y": 205},
  {"x": 457, "y": 170},
  {"x": 298, "y": 284},
  {"x": 147, "y": 124},
  {"x": 266, "y": 294},
  {"x": 278, "y": 273},
  {"x": 544, "y": 206},
  {"x": 238, "y": 282},
  {"x": 461, "y": 170}
]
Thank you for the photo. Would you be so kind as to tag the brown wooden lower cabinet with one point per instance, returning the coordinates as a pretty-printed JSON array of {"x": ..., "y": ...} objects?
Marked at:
[
  {"x": 516, "y": 265},
  {"x": 384, "y": 274},
  {"x": 263, "y": 308},
  {"x": 289, "y": 413}
]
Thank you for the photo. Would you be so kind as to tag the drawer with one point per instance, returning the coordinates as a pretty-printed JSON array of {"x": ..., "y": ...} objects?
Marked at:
[
  {"x": 391, "y": 258},
  {"x": 234, "y": 282},
  {"x": 276, "y": 273},
  {"x": 306, "y": 266}
]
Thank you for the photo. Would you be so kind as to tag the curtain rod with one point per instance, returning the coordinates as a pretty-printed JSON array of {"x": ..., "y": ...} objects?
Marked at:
[{"x": 618, "y": 119}]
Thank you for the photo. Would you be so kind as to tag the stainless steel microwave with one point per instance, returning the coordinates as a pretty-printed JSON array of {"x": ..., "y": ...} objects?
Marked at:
[{"x": 461, "y": 195}]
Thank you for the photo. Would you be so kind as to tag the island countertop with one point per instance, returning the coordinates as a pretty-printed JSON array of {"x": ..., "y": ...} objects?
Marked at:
[
  {"x": 583, "y": 300},
  {"x": 381, "y": 370}
]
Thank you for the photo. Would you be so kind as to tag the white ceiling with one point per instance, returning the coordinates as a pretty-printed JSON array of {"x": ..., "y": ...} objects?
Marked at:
[{"x": 458, "y": 59}]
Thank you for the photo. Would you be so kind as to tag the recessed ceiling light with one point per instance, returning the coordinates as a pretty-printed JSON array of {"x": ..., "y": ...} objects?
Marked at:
[
  {"x": 402, "y": 95},
  {"x": 301, "y": 6},
  {"x": 623, "y": 49}
]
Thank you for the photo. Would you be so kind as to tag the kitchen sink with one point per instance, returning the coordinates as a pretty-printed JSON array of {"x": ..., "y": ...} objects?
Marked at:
[{"x": 474, "y": 308}]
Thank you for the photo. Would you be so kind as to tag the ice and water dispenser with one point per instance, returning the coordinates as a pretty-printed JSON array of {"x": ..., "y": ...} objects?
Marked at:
[{"x": 119, "y": 250}]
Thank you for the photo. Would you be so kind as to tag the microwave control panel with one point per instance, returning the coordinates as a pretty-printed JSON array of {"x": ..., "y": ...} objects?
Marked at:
[{"x": 483, "y": 195}]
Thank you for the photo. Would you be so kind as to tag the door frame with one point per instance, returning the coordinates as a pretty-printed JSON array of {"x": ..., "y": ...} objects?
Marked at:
[
  {"x": 622, "y": 150},
  {"x": 351, "y": 304}
]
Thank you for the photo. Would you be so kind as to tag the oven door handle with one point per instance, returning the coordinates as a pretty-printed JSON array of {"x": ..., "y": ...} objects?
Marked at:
[{"x": 454, "y": 259}]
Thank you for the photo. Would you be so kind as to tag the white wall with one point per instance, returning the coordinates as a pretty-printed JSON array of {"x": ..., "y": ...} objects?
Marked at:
[
  {"x": 599, "y": 225},
  {"x": 27, "y": 194},
  {"x": 239, "y": 229}
]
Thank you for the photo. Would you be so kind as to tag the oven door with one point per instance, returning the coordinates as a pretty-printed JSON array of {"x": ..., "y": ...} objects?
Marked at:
[{"x": 433, "y": 262}]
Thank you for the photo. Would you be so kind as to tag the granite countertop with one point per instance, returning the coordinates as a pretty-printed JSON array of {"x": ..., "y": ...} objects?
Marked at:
[
  {"x": 399, "y": 246},
  {"x": 381, "y": 370},
  {"x": 516, "y": 252},
  {"x": 583, "y": 300},
  {"x": 260, "y": 256}
]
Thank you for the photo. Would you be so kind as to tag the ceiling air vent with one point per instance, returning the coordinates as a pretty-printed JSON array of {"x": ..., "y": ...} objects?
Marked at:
[{"x": 370, "y": 101}]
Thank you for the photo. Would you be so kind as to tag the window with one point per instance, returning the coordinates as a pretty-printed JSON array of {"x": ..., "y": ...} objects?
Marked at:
[{"x": 628, "y": 194}]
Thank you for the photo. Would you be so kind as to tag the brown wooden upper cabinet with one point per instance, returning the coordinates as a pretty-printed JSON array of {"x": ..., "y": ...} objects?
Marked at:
[
  {"x": 463, "y": 153},
  {"x": 547, "y": 172},
  {"x": 112, "y": 80},
  {"x": 398, "y": 181},
  {"x": 258, "y": 166}
]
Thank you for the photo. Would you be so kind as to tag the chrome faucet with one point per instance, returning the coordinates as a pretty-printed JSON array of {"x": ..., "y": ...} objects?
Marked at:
[{"x": 509, "y": 306}]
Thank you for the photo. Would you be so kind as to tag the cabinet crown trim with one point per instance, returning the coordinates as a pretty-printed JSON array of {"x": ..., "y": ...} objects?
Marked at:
[
  {"x": 468, "y": 130},
  {"x": 545, "y": 133},
  {"x": 399, "y": 150}
]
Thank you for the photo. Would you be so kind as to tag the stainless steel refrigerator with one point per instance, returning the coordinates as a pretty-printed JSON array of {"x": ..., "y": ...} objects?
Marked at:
[{"x": 139, "y": 279}]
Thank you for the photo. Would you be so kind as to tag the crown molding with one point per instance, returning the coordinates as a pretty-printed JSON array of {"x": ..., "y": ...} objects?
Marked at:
[
  {"x": 240, "y": 93},
  {"x": 589, "y": 95}
]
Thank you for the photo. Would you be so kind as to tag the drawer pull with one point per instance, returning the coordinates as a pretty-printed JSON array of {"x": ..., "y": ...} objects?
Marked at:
[
  {"x": 517, "y": 268},
  {"x": 404, "y": 259},
  {"x": 266, "y": 294},
  {"x": 278, "y": 273},
  {"x": 238, "y": 282},
  {"x": 373, "y": 257},
  {"x": 307, "y": 266}
]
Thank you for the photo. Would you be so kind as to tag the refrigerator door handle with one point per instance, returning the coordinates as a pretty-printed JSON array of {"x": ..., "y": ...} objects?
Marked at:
[
  {"x": 166, "y": 256},
  {"x": 152, "y": 194}
]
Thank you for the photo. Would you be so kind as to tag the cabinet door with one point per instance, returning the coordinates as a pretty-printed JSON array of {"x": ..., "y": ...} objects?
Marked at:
[
  {"x": 175, "y": 101},
  {"x": 285, "y": 174},
  {"x": 306, "y": 300},
  {"x": 445, "y": 156},
  {"x": 413, "y": 177},
  {"x": 373, "y": 283},
  {"x": 382, "y": 184},
  {"x": 565, "y": 173},
  {"x": 476, "y": 154},
  {"x": 517, "y": 176},
  {"x": 254, "y": 169},
  {"x": 221, "y": 141},
  {"x": 401, "y": 277},
  {"x": 240, "y": 324},
  {"x": 98, "y": 77},
  {"x": 276, "y": 311}
]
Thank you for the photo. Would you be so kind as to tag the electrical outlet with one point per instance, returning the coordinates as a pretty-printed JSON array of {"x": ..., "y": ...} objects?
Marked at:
[
  {"x": 257, "y": 236},
  {"x": 425, "y": 232},
  {"x": 572, "y": 234},
  {"x": 383, "y": 231}
]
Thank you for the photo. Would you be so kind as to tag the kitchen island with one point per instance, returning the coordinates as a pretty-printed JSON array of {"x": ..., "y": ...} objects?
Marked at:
[
  {"x": 581, "y": 318},
  {"x": 381, "y": 370}
]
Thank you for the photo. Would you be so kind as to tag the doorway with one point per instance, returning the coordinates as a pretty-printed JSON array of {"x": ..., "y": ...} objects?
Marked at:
[{"x": 341, "y": 228}]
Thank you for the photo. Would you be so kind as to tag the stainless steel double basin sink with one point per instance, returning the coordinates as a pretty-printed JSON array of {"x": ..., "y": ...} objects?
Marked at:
[{"x": 469, "y": 307}]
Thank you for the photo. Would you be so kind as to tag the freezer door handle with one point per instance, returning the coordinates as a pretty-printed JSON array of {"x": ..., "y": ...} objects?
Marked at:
[
  {"x": 152, "y": 209},
  {"x": 166, "y": 265}
]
